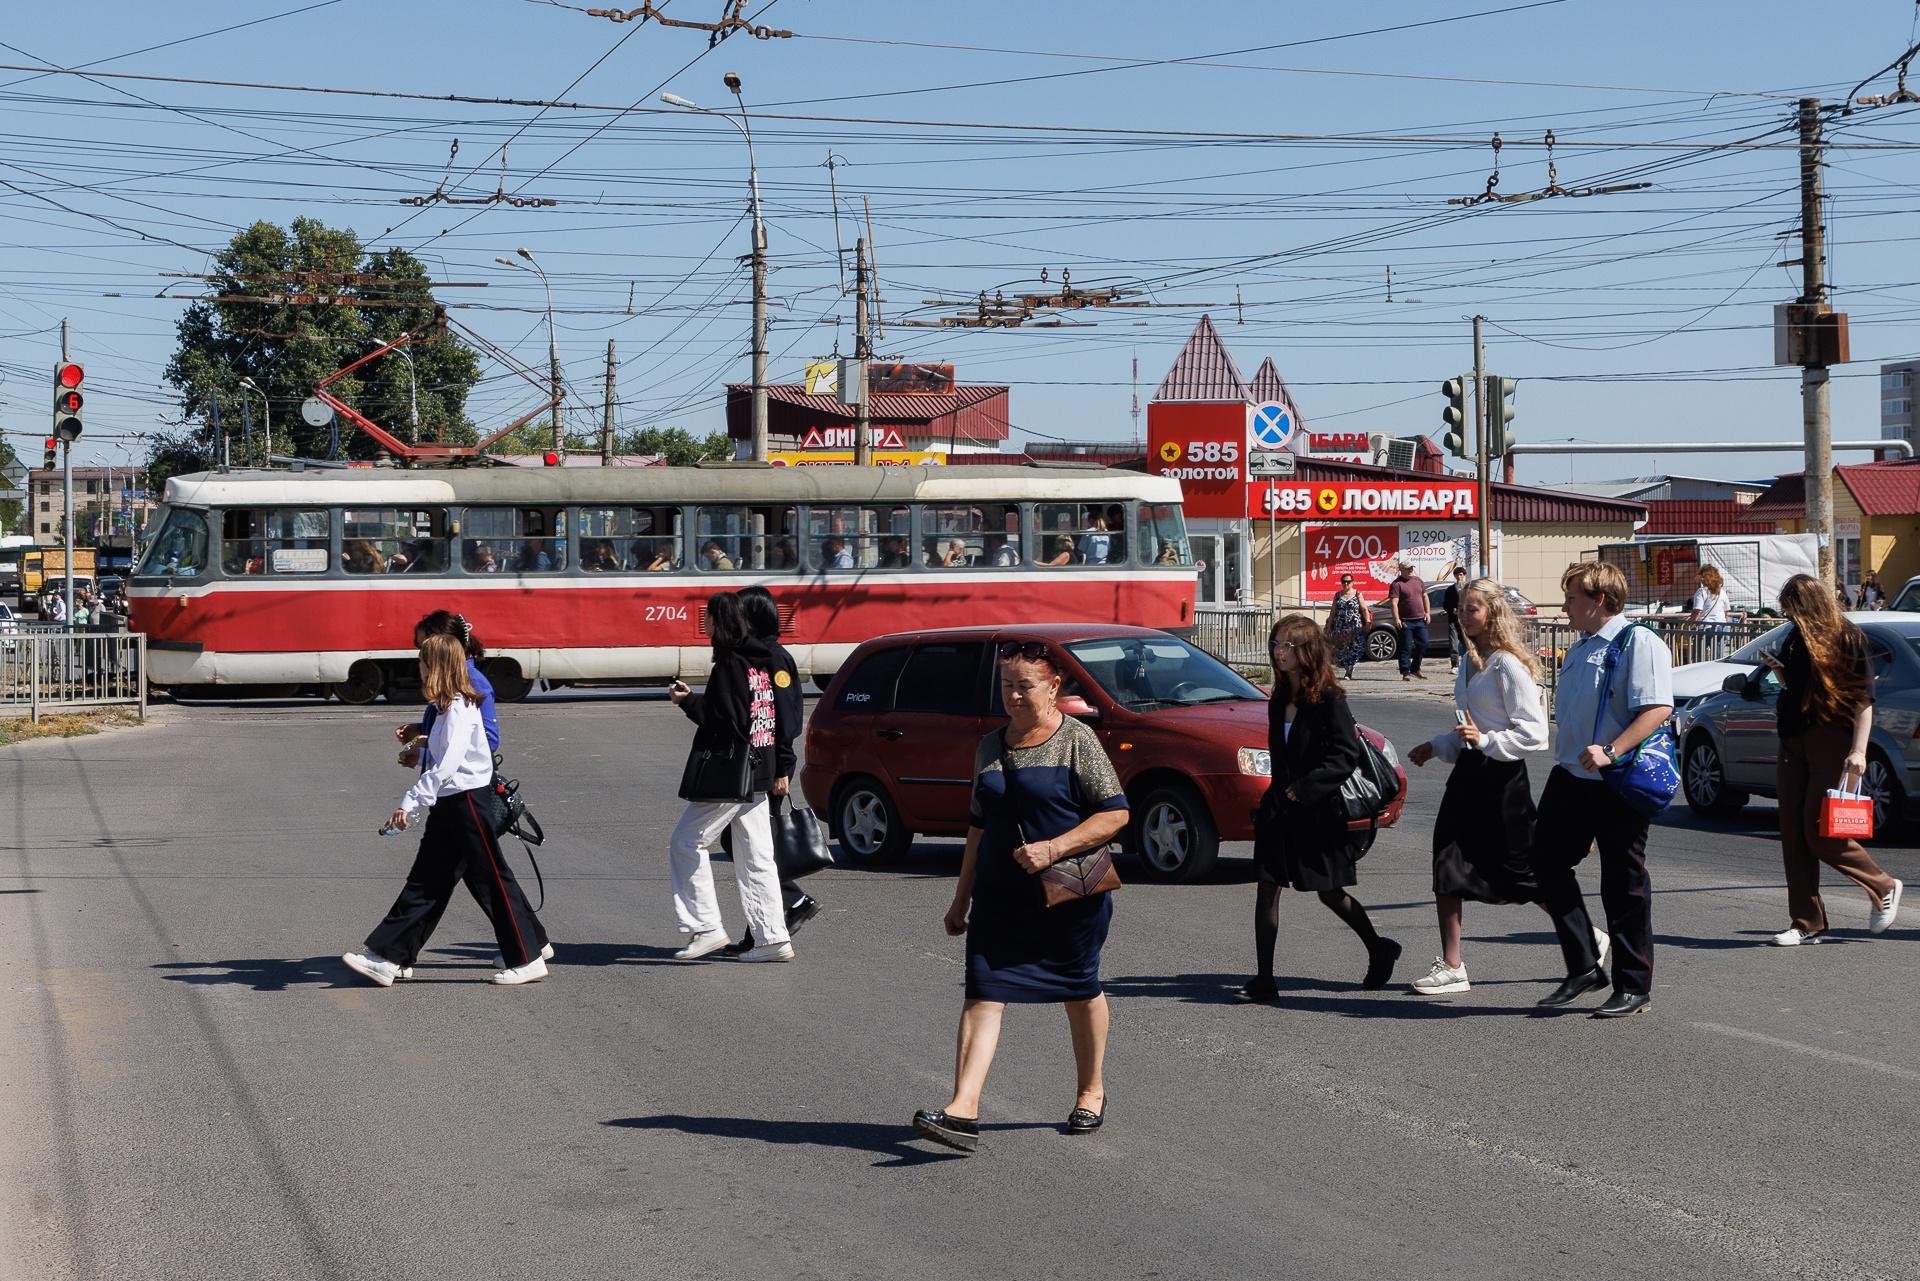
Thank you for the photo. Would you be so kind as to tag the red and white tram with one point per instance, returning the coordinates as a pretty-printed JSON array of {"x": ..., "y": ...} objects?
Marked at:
[{"x": 316, "y": 578}]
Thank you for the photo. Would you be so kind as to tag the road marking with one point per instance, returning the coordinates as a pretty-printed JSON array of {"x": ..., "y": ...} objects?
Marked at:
[{"x": 1831, "y": 1056}]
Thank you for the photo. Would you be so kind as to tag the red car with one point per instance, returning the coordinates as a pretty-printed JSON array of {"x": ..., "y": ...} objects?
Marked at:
[{"x": 889, "y": 751}]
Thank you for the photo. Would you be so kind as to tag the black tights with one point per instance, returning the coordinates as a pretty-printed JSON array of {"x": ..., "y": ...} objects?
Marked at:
[{"x": 1266, "y": 922}]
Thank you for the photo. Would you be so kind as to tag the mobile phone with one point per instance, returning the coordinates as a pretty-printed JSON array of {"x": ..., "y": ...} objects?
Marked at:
[{"x": 1459, "y": 717}]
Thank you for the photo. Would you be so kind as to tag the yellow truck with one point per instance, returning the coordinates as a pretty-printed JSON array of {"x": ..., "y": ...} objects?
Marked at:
[{"x": 46, "y": 567}]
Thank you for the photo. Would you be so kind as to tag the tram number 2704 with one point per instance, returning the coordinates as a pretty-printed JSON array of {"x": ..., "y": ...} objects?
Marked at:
[{"x": 666, "y": 613}]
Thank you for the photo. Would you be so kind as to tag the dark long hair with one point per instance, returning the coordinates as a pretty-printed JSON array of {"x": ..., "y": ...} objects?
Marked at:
[
  {"x": 761, "y": 614},
  {"x": 442, "y": 622},
  {"x": 1834, "y": 648},
  {"x": 1314, "y": 681},
  {"x": 726, "y": 624}
]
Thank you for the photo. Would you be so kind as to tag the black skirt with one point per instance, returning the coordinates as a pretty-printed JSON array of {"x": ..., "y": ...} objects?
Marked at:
[
  {"x": 1306, "y": 849},
  {"x": 1483, "y": 837}
]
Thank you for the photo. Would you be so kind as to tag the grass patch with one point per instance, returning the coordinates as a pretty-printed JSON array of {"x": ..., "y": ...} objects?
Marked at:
[{"x": 65, "y": 724}]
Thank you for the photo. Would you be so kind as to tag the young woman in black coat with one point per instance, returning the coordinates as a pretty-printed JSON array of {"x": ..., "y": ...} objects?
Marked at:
[{"x": 1301, "y": 838}]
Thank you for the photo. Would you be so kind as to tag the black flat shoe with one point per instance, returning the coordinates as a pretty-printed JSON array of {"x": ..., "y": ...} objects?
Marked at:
[
  {"x": 802, "y": 912},
  {"x": 1085, "y": 1120},
  {"x": 960, "y": 1133},
  {"x": 1576, "y": 986},
  {"x": 1380, "y": 962},
  {"x": 744, "y": 945},
  {"x": 1621, "y": 1004},
  {"x": 1259, "y": 990}
]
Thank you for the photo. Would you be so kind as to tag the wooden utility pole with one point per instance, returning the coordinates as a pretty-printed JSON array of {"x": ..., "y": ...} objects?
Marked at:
[
  {"x": 1482, "y": 413},
  {"x": 1816, "y": 404},
  {"x": 606, "y": 416},
  {"x": 862, "y": 355}
]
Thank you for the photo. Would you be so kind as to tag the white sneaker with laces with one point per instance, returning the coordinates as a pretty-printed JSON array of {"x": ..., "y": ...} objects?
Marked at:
[
  {"x": 532, "y": 972},
  {"x": 781, "y": 951},
  {"x": 1602, "y": 947},
  {"x": 546, "y": 954},
  {"x": 378, "y": 969},
  {"x": 1442, "y": 978},
  {"x": 1885, "y": 910},
  {"x": 1794, "y": 936},
  {"x": 702, "y": 944}
]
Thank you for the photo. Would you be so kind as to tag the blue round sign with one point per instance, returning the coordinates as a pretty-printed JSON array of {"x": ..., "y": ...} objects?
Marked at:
[{"x": 1272, "y": 425}]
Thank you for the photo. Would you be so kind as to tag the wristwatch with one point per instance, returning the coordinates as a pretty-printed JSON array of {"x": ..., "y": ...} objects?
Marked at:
[{"x": 1608, "y": 749}]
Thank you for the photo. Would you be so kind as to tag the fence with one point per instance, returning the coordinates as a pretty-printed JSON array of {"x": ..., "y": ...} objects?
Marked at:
[
  {"x": 43, "y": 669},
  {"x": 1237, "y": 637}
]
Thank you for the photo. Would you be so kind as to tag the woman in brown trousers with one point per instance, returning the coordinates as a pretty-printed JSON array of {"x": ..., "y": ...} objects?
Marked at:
[{"x": 1825, "y": 718}]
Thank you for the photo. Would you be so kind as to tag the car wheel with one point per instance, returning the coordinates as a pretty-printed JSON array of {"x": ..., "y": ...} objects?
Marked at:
[
  {"x": 1172, "y": 833},
  {"x": 1705, "y": 779},
  {"x": 867, "y": 823},
  {"x": 1383, "y": 646},
  {"x": 364, "y": 682},
  {"x": 1882, "y": 786}
]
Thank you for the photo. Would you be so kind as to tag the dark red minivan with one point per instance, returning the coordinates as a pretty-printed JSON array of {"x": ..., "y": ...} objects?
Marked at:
[{"x": 889, "y": 750}]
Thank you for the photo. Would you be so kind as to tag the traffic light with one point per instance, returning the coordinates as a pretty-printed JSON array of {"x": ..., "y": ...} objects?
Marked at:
[
  {"x": 53, "y": 454},
  {"x": 67, "y": 400},
  {"x": 1499, "y": 393},
  {"x": 1457, "y": 416}
]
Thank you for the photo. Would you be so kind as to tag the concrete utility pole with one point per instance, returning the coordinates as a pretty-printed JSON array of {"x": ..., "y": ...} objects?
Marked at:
[
  {"x": 862, "y": 355},
  {"x": 1816, "y": 403},
  {"x": 606, "y": 418},
  {"x": 66, "y": 485},
  {"x": 1483, "y": 501}
]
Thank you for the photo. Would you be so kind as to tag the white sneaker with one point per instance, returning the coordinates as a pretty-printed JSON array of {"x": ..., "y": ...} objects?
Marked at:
[
  {"x": 546, "y": 954},
  {"x": 378, "y": 969},
  {"x": 1442, "y": 978},
  {"x": 1602, "y": 947},
  {"x": 1794, "y": 936},
  {"x": 1885, "y": 910},
  {"x": 702, "y": 944},
  {"x": 532, "y": 972},
  {"x": 781, "y": 951}
]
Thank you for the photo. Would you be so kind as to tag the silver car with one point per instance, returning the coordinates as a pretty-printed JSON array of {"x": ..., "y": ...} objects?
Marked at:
[{"x": 1729, "y": 741}]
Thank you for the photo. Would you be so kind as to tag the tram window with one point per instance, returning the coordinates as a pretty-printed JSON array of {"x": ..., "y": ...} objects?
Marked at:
[
  {"x": 393, "y": 540},
  {"x": 1163, "y": 535},
  {"x": 242, "y": 545},
  {"x": 1079, "y": 533},
  {"x": 857, "y": 538},
  {"x": 986, "y": 535},
  {"x": 287, "y": 541},
  {"x": 730, "y": 538},
  {"x": 179, "y": 550},
  {"x": 629, "y": 539},
  {"x": 519, "y": 540}
]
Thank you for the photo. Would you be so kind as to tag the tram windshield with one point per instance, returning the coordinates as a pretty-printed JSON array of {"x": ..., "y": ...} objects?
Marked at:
[{"x": 179, "y": 550}]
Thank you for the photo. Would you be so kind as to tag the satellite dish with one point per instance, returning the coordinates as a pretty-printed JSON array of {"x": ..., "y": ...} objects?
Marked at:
[{"x": 315, "y": 412}]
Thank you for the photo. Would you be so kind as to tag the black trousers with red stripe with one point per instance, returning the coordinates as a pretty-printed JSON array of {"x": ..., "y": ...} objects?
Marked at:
[{"x": 458, "y": 845}]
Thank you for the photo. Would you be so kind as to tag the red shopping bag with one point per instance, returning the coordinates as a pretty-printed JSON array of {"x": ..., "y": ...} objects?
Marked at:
[{"x": 1846, "y": 813}]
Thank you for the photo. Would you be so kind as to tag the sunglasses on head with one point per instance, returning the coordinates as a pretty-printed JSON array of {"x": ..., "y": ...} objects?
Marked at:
[{"x": 1029, "y": 650}]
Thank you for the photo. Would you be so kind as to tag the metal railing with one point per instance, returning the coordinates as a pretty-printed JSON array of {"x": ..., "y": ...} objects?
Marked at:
[
  {"x": 1689, "y": 642},
  {"x": 1237, "y": 636},
  {"x": 44, "y": 670}
]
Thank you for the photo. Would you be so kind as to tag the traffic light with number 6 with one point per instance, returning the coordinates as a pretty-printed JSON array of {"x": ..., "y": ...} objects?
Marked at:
[
  {"x": 1499, "y": 393},
  {"x": 67, "y": 400},
  {"x": 1457, "y": 416}
]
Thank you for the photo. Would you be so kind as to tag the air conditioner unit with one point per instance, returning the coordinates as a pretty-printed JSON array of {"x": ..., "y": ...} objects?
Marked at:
[
  {"x": 1377, "y": 443},
  {"x": 1401, "y": 452}
]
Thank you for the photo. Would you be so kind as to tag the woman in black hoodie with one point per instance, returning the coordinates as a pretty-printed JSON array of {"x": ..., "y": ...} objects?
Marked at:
[{"x": 729, "y": 775}]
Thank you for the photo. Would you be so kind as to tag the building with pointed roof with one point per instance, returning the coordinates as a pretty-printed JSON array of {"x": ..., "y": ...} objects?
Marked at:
[{"x": 1203, "y": 371}]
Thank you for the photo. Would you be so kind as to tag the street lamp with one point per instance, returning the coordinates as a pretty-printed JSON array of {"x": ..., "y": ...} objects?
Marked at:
[
  {"x": 266, "y": 409},
  {"x": 413, "y": 389},
  {"x": 745, "y": 126},
  {"x": 553, "y": 340}
]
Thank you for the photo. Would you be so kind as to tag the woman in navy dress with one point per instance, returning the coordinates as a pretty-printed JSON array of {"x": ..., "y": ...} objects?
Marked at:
[{"x": 1043, "y": 790}]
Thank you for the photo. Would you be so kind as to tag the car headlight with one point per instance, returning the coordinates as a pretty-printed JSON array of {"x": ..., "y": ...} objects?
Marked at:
[{"x": 1255, "y": 760}]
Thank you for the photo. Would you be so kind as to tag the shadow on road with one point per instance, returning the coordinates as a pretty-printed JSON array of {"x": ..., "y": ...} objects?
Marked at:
[
  {"x": 26, "y": 891},
  {"x": 265, "y": 974},
  {"x": 896, "y": 1142}
]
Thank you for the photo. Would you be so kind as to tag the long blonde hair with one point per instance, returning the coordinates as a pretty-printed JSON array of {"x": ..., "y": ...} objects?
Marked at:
[
  {"x": 1503, "y": 632},
  {"x": 1834, "y": 646},
  {"x": 443, "y": 671}
]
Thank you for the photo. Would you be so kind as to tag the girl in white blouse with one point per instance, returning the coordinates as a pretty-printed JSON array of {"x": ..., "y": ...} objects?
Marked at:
[{"x": 1483, "y": 837}]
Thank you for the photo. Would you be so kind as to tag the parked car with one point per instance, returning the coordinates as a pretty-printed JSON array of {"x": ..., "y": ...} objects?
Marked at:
[
  {"x": 1383, "y": 642},
  {"x": 1697, "y": 680},
  {"x": 1730, "y": 743},
  {"x": 889, "y": 750},
  {"x": 9, "y": 627}
]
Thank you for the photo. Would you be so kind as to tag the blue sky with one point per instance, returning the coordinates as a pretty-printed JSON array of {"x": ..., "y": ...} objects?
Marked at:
[{"x": 1606, "y": 309}]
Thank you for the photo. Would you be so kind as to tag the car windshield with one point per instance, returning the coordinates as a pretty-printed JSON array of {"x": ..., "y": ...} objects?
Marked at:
[
  {"x": 1750, "y": 652},
  {"x": 1144, "y": 672}
]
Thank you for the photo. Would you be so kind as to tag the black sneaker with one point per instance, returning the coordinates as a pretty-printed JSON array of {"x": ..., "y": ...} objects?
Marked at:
[
  {"x": 801, "y": 912},
  {"x": 960, "y": 1133},
  {"x": 1381, "y": 958}
]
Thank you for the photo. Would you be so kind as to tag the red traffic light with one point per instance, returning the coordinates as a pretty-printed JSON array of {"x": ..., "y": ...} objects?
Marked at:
[
  {"x": 69, "y": 402},
  {"x": 52, "y": 443},
  {"x": 70, "y": 375},
  {"x": 550, "y": 458}
]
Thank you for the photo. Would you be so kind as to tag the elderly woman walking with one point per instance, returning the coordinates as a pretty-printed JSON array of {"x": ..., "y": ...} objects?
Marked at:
[{"x": 1043, "y": 791}]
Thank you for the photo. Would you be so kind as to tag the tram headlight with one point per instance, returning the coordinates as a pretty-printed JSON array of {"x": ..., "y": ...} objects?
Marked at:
[{"x": 1255, "y": 760}]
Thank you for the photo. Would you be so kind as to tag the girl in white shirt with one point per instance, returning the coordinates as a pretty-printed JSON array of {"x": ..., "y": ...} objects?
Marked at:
[
  {"x": 459, "y": 843},
  {"x": 1483, "y": 837}
]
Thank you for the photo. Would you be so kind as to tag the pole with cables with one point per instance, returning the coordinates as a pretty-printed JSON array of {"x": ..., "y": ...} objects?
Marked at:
[
  {"x": 1816, "y": 400},
  {"x": 862, "y": 355},
  {"x": 606, "y": 417}
]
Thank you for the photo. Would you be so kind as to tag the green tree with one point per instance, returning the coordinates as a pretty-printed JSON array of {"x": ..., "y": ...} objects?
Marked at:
[
  {"x": 681, "y": 447},
  {"x": 13, "y": 512},
  {"x": 317, "y": 289}
]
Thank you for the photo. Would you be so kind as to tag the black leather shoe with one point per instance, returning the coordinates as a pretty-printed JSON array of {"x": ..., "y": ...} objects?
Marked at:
[
  {"x": 735, "y": 949},
  {"x": 1086, "y": 1120},
  {"x": 1621, "y": 1004},
  {"x": 1259, "y": 989},
  {"x": 800, "y": 913},
  {"x": 958, "y": 1132},
  {"x": 1381, "y": 958},
  {"x": 1576, "y": 986}
]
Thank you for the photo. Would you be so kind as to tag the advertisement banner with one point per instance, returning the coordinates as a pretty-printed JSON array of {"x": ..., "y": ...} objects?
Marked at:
[
  {"x": 844, "y": 457},
  {"x": 1371, "y": 553},
  {"x": 1371, "y": 500},
  {"x": 1203, "y": 445}
]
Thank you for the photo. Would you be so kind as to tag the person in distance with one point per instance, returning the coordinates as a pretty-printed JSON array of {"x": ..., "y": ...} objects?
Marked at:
[
  {"x": 1483, "y": 837},
  {"x": 1825, "y": 719},
  {"x": 1043, "y": 790},
  {"x": 459, "y": 843},
  {"x": 1347, "y": 625},
  {"x": 1301, "y": 838}
]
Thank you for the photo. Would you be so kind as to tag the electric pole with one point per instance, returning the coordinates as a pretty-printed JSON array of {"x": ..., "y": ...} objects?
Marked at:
[
  {"x": 1483, "y": 501},
  {"x": 862, "y": 353},
  {"x": 606, "y": 417},
  {"x": 1815, "y": 394},
  {"x": 759, "y": 328}
]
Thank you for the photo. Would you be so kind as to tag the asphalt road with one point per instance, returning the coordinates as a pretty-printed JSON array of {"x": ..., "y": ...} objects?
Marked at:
[{"x": 197, "y": 1088}]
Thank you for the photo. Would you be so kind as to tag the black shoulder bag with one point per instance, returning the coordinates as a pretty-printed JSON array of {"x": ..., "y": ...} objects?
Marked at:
[{"x": 515, "y": 819}]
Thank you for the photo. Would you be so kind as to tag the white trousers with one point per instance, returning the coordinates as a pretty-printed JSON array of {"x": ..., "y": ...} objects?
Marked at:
[{"x": 694, "y": 901}]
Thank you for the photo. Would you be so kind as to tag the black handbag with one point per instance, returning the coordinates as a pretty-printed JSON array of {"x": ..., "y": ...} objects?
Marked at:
[
  {"x": 717, "y": 773},
  {"x": 799, "y": 840}
]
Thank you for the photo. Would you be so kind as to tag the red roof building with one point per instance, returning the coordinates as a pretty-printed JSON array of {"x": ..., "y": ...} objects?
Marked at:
[
  {"x": 1876, "y": 518},
  {"x": 1203, "y": 371},
  {"x": 966, "y": 417}
]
